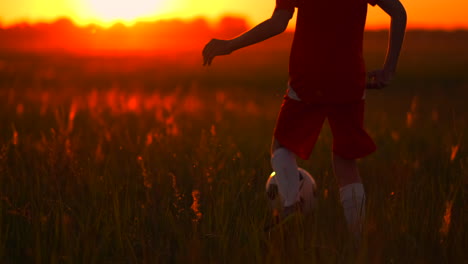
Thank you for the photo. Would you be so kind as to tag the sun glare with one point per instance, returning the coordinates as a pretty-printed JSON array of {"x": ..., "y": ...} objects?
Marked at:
[{"x": 124, "y": 10}]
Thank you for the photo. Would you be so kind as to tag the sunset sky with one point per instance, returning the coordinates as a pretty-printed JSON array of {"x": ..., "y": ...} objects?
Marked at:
[{"x": 421, "y": 13}]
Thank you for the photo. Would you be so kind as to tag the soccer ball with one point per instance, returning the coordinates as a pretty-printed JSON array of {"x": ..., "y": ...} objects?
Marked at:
[{"x": 307, "y": 192}]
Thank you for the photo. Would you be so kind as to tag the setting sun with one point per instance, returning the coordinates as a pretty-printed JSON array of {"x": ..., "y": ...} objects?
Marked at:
[
  {"x": 428, "y": 14},
  {"x": 124, "y": 10}
]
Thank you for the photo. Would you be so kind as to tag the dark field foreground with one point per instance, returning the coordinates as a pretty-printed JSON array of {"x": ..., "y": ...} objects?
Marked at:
[{"x": 134, "y": 159}]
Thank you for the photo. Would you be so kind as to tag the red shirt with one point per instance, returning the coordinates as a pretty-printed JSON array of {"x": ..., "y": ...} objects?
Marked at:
[{"x": 326, "y": 63}]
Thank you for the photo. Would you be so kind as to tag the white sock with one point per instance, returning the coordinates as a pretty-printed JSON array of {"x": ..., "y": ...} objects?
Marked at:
[
  {"x": 353, "y": 199},
  {"x": 284, "y": 165}
]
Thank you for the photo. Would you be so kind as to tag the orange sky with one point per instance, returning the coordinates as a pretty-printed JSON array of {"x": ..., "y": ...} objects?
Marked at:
[{"x": 421, "y": 13}]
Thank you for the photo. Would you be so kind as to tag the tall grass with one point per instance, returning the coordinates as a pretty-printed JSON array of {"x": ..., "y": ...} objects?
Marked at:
[{"x": 167, "y": 164}]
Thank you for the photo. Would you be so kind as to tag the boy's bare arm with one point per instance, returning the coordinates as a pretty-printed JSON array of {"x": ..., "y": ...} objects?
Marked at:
[
  {"x": 267, "y": 29},
  {"x": 382, "y": 77}
]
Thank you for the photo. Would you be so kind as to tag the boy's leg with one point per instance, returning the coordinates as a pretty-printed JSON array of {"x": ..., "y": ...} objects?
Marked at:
[
  {"x": 346, "y": 170},
  {"x": 352, "y": 194},
  {"x": 350, "y": 142},
  {"x": 283, "y": 162},
  {"x": 297, "y": 128}
]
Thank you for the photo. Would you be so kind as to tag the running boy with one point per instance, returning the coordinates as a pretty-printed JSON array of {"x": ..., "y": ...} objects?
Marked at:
[{"x": 327, "y": 79}]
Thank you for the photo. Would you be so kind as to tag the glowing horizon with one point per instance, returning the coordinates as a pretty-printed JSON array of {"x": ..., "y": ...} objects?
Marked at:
[{"x": 428, "y": 14}]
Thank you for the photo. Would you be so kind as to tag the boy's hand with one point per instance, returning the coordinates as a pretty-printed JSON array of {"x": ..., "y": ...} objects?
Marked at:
[
  {"x": 378, "y": 79},
  {"x": 215, "y": 47}
]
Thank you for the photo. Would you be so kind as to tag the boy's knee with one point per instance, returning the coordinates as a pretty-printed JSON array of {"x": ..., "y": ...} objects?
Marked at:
[
  {"x": 346, "y": 170},
  {"x": 339, "y": 158},
  {"x": 274, "y": 146},
  {"x": 283, "y": 158}
]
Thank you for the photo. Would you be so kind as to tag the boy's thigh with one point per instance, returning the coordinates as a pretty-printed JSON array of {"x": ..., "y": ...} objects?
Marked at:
[
  {"x": 298, "y": 126},
  {"x": 350, "y": 139}
]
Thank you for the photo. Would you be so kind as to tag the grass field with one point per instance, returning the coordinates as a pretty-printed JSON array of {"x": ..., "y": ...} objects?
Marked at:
[{"x": 135, "y": 159}]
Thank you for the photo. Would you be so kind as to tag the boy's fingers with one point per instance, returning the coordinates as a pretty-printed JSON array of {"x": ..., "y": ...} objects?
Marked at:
[
  {"x": 208, "y": 53},
  {"x": 376, "y": 80},
  {"x": 204, "y": 58},
  {"x": 212, "y": 49},
  {"x": 375, "y": 84},
  {"x": 205, "y": 49},
  {"x": 371, "y": 74},
  {"x": 371, "y": 86},
  {"x": 210, "y": 60},
  {"x": 205, "y": 53},
  {"x": 208, "y": 48},
  {"x": 207, "y": 61}
]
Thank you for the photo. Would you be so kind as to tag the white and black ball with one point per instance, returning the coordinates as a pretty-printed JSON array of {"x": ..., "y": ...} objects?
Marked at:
[{"x": 307, "y": 192}]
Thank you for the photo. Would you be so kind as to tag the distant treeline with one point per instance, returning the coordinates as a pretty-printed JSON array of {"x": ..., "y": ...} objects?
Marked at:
[
  {"x": 63, "y": 35},
  {"x": 167, "y": 36}
]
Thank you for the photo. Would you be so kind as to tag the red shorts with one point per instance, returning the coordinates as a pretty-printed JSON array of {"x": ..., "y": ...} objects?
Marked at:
[{"x": 299, "y": 124}]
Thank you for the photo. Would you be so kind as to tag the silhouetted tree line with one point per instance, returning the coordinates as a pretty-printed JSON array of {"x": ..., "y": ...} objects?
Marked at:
[
  {"x": 64, "y": 35},
  {"x": 177, "y": 35}
]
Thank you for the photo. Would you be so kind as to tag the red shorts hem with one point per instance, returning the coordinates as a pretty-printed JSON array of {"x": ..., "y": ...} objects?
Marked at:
[
  {"x": 356, "y": 155},
  {"x": 299, "y": 125},
  {"x": 293, "y": 147}
]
